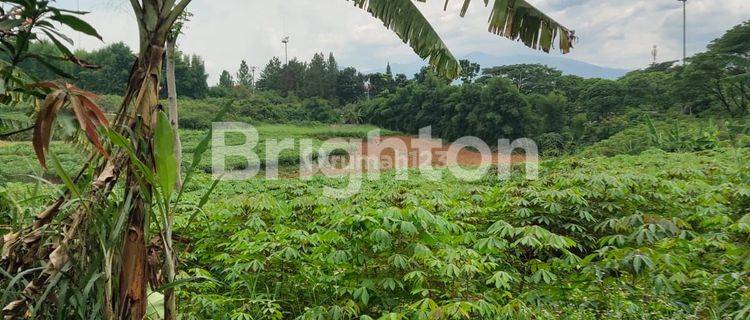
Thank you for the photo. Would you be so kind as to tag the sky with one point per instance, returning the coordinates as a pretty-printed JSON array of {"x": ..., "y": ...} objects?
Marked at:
[{"x": 612, "y": 33}]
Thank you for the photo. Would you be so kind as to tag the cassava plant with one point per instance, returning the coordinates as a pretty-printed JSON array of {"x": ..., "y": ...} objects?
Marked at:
[{"x": 105, "y": 235}]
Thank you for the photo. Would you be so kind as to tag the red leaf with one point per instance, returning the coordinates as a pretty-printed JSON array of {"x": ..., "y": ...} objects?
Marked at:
[
  {"x": 44, "y": 122},
  {"x": 86, "y": 121},
  {"x": 94, "y": 108}
]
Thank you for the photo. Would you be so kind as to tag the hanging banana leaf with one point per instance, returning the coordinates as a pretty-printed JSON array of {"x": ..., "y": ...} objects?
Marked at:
[
  {"x": 513, "y": 19},
  {"x": 521, "y": 21},
  {"x": 403, "y": 17}
]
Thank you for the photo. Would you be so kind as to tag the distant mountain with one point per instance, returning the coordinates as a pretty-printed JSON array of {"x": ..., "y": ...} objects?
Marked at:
[{"x": 567, "y": 66}]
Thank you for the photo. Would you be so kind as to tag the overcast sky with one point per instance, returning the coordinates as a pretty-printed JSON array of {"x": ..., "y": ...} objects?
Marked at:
[{"x": 613, "y": 33}]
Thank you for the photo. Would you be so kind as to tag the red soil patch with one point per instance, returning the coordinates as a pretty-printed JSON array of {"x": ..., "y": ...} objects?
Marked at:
[{"x": 414, "y": 151}]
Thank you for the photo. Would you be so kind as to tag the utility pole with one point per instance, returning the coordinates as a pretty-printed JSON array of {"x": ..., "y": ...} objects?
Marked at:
[
  {"x": 684, "y": 31},
  {"x": 252, "y": 78},
  {"x": 285, "y": 41}
]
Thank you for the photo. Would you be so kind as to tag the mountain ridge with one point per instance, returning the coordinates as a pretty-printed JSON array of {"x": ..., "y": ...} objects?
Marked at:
[{"x": 566, "y": 65}]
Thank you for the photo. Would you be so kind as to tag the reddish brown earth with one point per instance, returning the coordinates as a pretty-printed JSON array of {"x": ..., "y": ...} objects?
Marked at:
[{"x": 411, "y": 146}]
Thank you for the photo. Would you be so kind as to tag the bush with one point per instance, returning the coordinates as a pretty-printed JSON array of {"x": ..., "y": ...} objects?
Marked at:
[
  {"x": 263, "y": 107},
  {"x": 552, "y": 144}
]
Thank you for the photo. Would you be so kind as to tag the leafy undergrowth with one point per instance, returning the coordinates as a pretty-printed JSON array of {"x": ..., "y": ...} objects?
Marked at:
[
  {"x": 18, "y": 161},
  {"x": 681, "y": 134},
  {"x": 653, "y": 236}
]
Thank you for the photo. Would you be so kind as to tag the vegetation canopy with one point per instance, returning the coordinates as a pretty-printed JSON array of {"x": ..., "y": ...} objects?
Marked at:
[{"x": 110, "y": 209}]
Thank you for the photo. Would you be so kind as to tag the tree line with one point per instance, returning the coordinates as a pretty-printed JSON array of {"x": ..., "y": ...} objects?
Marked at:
[
  {"x": 527, "y": 100},
  {"x": 111, "y": 69},
  {"x": 321, "y": 77},
  {"x": 561, "y": 111}
]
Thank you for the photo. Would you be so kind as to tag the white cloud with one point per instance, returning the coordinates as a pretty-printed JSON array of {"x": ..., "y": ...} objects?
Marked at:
[{"x": 612, "y": 33}]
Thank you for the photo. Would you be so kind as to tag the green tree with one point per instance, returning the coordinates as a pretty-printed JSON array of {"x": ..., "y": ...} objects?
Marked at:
[
  {"x": 528, "y": 78},
  {"x": 712, "y": 78},
  {"x": 469, "y": 70},
  {"x": 331, "y": 76},
  {"x": 114, "y": 61},
  {"x": 349, "y": 85},
  {"x": 551, "y": 108},
  {"x": 722, "y": 74},
  {"x": 292, "y": 77},
  {"x": 190, "y": 74},
  {"x": 502, "y": 112},
  {"x": 315, "y": 77},
  {"x": 225, "y": 79},
  {"x": 271, "y": 76},
  {"x": 378, "y": 83},
  {"x": 244, "y": 78},
  {"x": 602, "y": 98},
  {"x": 400, "y": 80},
  {"x": 648, "y": 89}
]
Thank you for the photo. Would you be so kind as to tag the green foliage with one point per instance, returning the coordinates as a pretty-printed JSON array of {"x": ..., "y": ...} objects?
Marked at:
[
  {"x": 226, "y": 80},
  {"x": 683, "y": 134},
  {"x": 469, "y": 70},
  {"x": 113, "y": 64},
  {"x": 191, "y": 76},
  {"x": 244, "y": 78},
  {"x": 19, "y": 163},
  {"x": 577, "y": 111},
  {"x": 528, "y": 78},
  {"x": 262, "y": 107},
  {"x": 489, "y": 110},
  {"x": 719, "y": 77},
  {"x": 288, "y": 159},
  {"x": 657, "y": 236}
]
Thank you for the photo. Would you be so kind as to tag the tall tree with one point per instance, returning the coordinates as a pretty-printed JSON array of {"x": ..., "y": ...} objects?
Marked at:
[
  {"x": 528, "y": 78},
  {"x": 225, "y": 79},
  {"x": 349, "y": 85},
  {"x": 721, "y": 74},
  {"x": 292, "y": 77},
  {"x": 270, "y": 76},
  {"x": 244, "y": 78},
  {"x": 469, "y": 70},
  {"x": 114, "y": 61},
  {"x": 315, "y": 77},
  {"x": 331, "y": 76}
]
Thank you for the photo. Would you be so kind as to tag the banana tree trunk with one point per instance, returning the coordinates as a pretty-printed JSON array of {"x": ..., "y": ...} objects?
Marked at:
[
  {"x": 134, "y": 271},
  {"x": 155, "y": 19},
  {"x": 172, "y": 96}
]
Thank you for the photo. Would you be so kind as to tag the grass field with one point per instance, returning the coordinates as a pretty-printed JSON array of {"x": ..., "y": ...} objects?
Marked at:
[{"x": 19, "y": 161}]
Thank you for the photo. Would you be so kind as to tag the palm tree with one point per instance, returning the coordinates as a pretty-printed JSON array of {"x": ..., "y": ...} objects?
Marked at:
[{"x": 139, "y": 126}]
